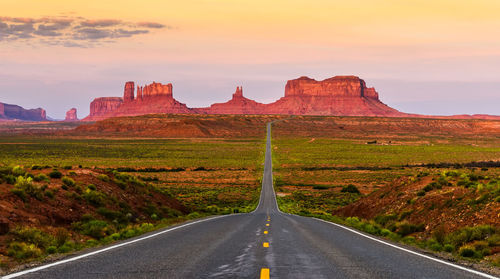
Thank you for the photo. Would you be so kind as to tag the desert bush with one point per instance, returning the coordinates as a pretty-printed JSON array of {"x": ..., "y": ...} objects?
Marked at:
[
  {"x": 24, "y": 187},
  {"x": 95, "y": 198},
  {"x": 21, "y": 250},
  {"x": 92, "y": 187},
  {"x": 68, "y": 181},
  {"x": 55, "y": 174},
  {"x": 383, "y": 219},
  {"x": 320, "y": 187},
  {"x": 467, "y": 251},
  {"x": 67, "y": 167},
  {"x": 18, "y": 171},
  {"x": 405, "y": 228},
  {"x": 350, "y": 189},
  {"x": 103, "y": 177},
  {"x": 94, "y": 228},
  {"x": 10, "y": 179},
  {"x": 41, "y": 177},
  {"x": 61, "y": 236},
  {"x": 51, "y": 249},
  {"x": 421, "y": 193},
  {"x": 110, "y": 214},
  {"x": 33, "y": 236},
  {"x": 49, "y": 194},
  {"x": 448, "y": 248}
]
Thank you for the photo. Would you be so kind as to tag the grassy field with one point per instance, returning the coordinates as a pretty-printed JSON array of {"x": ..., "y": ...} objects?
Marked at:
[
  {"x": 112, "y": 189},
  {"x": 419, "y": 188}
]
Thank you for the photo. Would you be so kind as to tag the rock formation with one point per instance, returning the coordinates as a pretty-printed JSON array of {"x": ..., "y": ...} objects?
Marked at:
[
  {"x": 152, "y": 98},
  {"x": 101, "y": 107},
  {"x": 237, "y": 105},
  {"x": 14, "y": 112},
  {"x": 71, "y": 115},
  {"x": 340, "y": 95}
]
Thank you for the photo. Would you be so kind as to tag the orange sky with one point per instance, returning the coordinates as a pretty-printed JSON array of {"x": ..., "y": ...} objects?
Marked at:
[{"x": 440, "y": 40}]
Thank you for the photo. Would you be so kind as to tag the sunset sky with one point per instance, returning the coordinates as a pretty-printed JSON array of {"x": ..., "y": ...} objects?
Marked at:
[{"x": 430, "y": 57}]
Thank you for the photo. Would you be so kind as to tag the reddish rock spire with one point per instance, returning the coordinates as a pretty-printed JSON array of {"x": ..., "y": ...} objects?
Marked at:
[
  {"x": 238, "y": 93},
  {"x": 71, "y": 115},
  {"x": 128, "y": 94},
  {"x": 139, "y": 93}
]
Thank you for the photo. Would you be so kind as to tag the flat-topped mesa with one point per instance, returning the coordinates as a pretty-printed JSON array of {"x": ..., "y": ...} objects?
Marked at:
[
  {"x": 15, "y": 112},
  {"x": 128, "y": 93},
  {"x": 338, "y": 86},
  {"x": 102, "y": 106},
  {"x": 156, "y": 90}
]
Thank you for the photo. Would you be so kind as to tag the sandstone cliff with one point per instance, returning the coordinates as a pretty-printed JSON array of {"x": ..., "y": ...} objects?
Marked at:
[
  {"x": 71, "y": 115},
  {"x": 152, "y": 98},
  {"x": 14, "y": 112},
  {"x": 338, "y": 96},
  {"x": 237, "y": 105}
]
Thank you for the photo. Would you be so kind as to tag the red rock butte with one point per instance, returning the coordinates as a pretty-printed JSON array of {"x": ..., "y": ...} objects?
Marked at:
[
  {"x": 336, "y": 96},
  {"x": 340, "y": 95},
  {"x": 71, "y": 115}
]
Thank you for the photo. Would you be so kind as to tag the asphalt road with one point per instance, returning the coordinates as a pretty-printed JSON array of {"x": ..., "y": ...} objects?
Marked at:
[{"x": 255, "y": 245}]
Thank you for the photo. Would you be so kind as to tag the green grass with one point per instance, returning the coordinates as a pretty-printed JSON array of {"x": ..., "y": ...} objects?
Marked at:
[{"x": 131, "y": 153}]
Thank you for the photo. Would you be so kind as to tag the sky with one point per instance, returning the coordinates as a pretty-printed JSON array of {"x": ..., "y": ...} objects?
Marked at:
[{"x": 438, "y": 57}]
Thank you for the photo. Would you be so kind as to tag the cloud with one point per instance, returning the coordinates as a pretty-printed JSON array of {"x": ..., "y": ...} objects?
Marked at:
[
  {"x": 100, "y": 23},
  {"x": 72, "y": 31},
  {"x": 152, "y": 25}
]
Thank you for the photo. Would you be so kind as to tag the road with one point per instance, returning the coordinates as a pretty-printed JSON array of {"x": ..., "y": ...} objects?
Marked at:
[{"x": 263, "y": 243}]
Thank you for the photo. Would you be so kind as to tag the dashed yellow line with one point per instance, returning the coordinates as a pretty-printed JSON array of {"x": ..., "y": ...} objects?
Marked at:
[
  {"x": 267, "y": 225},
  {"x": 265, "y": 244},
  {"x": 264, "y": 273},
  {"x": 265, "y": 232}
]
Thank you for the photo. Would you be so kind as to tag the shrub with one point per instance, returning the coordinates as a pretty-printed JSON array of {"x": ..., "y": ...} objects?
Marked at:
[
  {"x": 421, "y": 193},
  {"x": 21, "y": 250},
  {"x": 95, "y": 198},
  {"x": 18, "y": 171},
  {"x": 64, "y": 187},
  {"x": 103, "y": 177},
  {"x": 405, "y": 228},
  {"x": 320, "y": 187},
  {"x": 36, "y": 167},
  {"x": 61, "y": 236},
  {"x": 110, "y": 214},
  {"x": 95, "y": 228},
  {"x": 67, "y": 167},
  {"x": 467, "y": 251},
  {"x": 384, "y": 219},
  {"x": 51, "y": 249},
  {"x": 68, "y": 181},
  {"x": 10, "y": 179},
  {"x": 92, "y": 187},
  {"x": 49, "y": 194},
  {"x": 55, "y": 174},
  {"x": 41, "y": 177},
  {"x": 25, "y": 187},
  {"x": 448, "y": 248},
  {"x": 33, "y": 236},
  {"x": 350, "y": 189},
  {"x": 65, "y": 248}
]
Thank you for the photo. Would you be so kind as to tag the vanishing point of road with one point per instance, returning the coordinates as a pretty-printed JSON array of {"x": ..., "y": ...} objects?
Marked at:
[{"x": 266, "y": 243}]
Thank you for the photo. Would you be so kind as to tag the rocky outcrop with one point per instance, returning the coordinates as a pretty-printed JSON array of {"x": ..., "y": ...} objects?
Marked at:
[
  {"x": 150, "y": 99},
  {"x": 237, "y": 105},
  {"x": 100, "y": 108},
  {"x": 71, "y": 115},
  {"x": 14, "y": 112},
  {"x": 339, "y": 95}
]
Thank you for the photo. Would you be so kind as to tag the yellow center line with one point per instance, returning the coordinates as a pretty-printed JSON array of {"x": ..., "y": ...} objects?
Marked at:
[
  {"x": 265, "y": 232},
  {"x": 267, "y": 225},
  {"x": 265, "y": 244},
  {"x": 264, "y": 273}
]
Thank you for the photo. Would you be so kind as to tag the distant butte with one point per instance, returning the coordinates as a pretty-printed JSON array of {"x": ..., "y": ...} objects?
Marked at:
[
  {"x": 336, "y": 96},
  {"x": 340, "y": 95}
]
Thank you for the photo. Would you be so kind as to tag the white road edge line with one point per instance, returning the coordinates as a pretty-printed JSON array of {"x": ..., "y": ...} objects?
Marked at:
[
  {"x": 21, "y": 273},
  {"x": 412, "y": 252}
]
